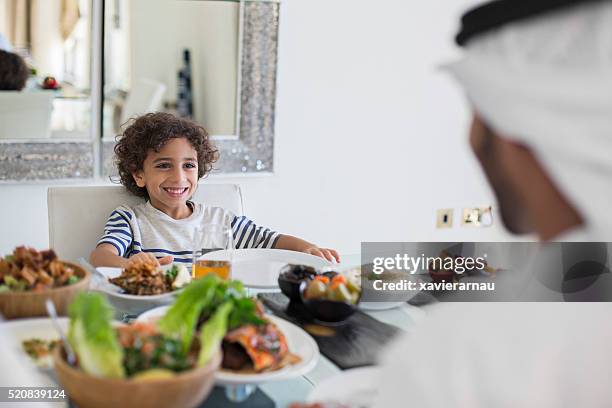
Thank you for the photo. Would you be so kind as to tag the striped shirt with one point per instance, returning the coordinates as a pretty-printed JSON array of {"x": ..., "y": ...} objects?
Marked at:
[{"x": 144, "y": 228}]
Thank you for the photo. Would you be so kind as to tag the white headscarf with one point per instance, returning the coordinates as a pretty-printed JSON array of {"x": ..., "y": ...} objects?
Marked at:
[{"x": 546, "y": 82}]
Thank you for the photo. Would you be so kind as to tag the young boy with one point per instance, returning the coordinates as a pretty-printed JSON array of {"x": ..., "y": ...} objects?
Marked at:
[{"x": 161, "y": 157}]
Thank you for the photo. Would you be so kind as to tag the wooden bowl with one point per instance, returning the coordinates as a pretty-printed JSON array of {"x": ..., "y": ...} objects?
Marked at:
[
  {"x": 187, "y": 389},
  {"x": 31, "y": 304}
]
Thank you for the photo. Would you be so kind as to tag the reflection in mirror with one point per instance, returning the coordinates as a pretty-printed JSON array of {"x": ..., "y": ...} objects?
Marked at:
[
  {"x": 179, "y": 56},
  {"x": 53, "y": 38}
]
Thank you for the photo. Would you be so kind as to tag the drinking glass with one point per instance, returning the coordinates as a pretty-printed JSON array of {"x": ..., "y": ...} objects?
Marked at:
[{"x": 209, "y": 238}]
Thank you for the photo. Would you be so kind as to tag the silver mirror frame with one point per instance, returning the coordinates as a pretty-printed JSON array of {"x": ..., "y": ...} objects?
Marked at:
[{"x": 253, "y": 151}]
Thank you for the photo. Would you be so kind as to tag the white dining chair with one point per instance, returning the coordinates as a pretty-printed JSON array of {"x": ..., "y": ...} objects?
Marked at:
[{"x": 77, "y": 214}]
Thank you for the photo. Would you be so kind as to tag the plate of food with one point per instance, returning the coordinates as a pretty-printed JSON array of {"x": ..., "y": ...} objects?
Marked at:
[
  {"x": 292, "y": 276},
  {"x": 28, "y": 277},
  {"x": 141, "y": 285},
  {"x": 259, "y": 268},
  {"x": 27, "y": 346},
  {"x": 141, "y": 365},
  {"x": 257, "y": 348}
]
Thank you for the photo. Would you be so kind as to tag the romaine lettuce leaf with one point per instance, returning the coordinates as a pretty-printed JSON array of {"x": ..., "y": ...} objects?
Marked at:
[
  {"x": 180, "y": 320},
  {"x": 93, "y": 338},
  {"x": 212, "y": 333}
]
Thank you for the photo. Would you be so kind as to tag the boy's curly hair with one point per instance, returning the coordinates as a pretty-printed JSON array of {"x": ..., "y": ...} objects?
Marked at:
[{"x": 151, "y": 132}]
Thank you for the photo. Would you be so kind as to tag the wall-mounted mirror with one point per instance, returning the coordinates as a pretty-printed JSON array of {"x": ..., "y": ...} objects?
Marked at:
[
  {"x": 213, "y": 61},
  {"x": 179, "y": 56},
  {"x": 46, "y": 123},
  {"x": 53, "y": 38}
]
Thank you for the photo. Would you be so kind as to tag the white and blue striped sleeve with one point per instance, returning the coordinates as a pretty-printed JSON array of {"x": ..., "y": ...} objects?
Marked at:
[
  {"x": 249, "y": 235},
  {"x": 117, "y": 231}
]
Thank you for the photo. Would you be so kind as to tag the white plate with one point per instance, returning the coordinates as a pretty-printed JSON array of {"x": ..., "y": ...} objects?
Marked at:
[
  {"x": 354, "y": 388},
  {"x": 132, "y": 304},
  {"x": 259, "y": 268},
  {"x": 299, "y": 342},
  {"x": 16, "y": 367}
]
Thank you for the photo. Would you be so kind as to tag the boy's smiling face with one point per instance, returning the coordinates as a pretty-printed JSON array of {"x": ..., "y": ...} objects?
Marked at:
[{"x": 170, "y": 177}]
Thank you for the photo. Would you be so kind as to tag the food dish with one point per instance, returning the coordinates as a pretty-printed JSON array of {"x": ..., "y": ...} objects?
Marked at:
[
  {"x": 298, "y": 341},
  {"x": 290, "y": 278},
  {"x": 40, "y": 350},
  {"x": 27, "y": 269},
  {"x": 146, "y": 278},
  {"x": 333, "y": 287},
  {"x": 141, "y": 364},
  {"x": 33, "y": 277},
  {"x": 326, "y": 305},
  {"x": 16, "y": 367},
  {"x": 187, "y": 389},
  {"x": 259, "y": 268},
  {"x": 131, "y": 304},
  {"x": 355, "y": 274}
]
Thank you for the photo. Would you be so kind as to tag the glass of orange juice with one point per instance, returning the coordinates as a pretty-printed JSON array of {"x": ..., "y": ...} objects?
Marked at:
[{"x": 213, "y": 251}]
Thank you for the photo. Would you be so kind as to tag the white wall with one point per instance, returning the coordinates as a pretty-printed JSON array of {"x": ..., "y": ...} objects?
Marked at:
[
  {"x": 370, "y": 137},
  {"x": 209, "y": 30}
]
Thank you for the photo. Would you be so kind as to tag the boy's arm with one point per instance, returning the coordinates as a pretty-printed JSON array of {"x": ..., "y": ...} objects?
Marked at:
[
  {"x": 107, "y": 255},
  {"x": 297, "y": 244}
]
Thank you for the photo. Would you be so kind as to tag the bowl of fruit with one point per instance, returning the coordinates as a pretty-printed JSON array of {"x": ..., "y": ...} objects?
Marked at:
[{"x": 330, "y": 297}]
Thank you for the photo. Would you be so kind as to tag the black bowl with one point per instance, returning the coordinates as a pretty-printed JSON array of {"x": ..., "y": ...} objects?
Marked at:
[
  {"x": 325, "y": 310},
  {"x": 290, "y": 278}
]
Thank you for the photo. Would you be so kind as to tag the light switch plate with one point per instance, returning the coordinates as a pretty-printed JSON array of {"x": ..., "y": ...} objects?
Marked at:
[
  {"x": 444, "y": 218},
  {"x": 477, "y": 216}
]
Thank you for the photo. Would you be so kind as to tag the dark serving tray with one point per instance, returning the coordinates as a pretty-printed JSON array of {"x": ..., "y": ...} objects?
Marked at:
[{"x": 355, "y": 343}]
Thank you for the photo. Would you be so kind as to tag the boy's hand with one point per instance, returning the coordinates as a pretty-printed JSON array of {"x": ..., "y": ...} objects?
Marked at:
[
  {"x": 148, "y": 257},
  {"x": 326, "y": 253}
]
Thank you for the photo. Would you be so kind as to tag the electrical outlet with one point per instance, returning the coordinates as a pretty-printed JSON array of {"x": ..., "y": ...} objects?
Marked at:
[
  {"x": 477, "y": 216},
  {"x": 444, "y": 218}
]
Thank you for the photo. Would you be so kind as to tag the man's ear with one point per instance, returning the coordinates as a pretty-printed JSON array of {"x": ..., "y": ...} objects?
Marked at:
[{"x": 139, "y": 178}]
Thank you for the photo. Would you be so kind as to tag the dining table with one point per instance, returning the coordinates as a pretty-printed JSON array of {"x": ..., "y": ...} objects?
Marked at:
[{"x": 284, "y": 392}]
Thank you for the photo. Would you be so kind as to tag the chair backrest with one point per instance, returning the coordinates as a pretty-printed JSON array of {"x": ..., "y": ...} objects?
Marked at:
[
  {"x": 25, "y": 114},
  {"x": 77, "y": 214}
]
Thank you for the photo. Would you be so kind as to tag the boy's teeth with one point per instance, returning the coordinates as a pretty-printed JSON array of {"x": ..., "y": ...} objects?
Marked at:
[{"x": 175, "y": 190}]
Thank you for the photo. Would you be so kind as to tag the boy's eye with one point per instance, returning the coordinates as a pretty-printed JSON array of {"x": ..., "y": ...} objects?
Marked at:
[
  {"x": 190, "y": 165},
  {"x": 163, "y": 166}
]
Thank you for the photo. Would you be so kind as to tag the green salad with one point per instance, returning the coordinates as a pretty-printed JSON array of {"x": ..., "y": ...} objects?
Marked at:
[{"x": 144, "y": 350}]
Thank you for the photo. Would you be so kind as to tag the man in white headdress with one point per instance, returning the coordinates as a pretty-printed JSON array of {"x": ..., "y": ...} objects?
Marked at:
[{"x": 538, "y": 75}]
